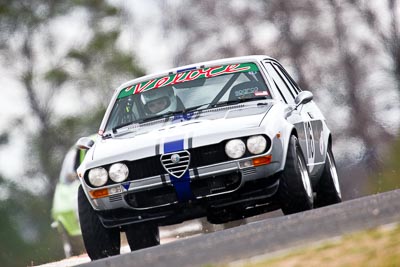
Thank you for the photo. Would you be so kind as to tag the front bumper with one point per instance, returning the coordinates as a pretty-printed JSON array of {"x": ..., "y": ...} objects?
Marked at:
[
  {"x": 217, "y": 187},
  {"x": 158, "y": 191},
  {"x": 254, "y": 197}
]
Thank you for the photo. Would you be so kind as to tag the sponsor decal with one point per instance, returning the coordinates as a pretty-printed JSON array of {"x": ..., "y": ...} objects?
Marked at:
[
  {"x": 261, "y": 93},
  {"x": 246, "y": 91},
  {"x": 189, "y": 75},
  {"x": 183, "y": 117}
]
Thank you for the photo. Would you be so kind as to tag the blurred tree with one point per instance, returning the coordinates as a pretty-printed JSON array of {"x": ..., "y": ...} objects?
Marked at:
[
  {"x": 22, "y": 24},
  {"x": 101, "y": 63},
  {"x": 224, "y": 27},
  {"x": 3, "y": 138},
  {"x": 385, "y": 25},
  {"x": 25, "y": 239},
  {"x": 31, "y": 48},
  {"x": 325, "y": 55},
  {"x": 231, "y": 28},
  {"x": 290, "y": 43},
  {"x": 46, "y": 65},
  {"x": 352, "y": 74}
]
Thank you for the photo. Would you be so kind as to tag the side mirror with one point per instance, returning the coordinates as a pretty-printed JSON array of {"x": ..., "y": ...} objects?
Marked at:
[
  {"x": 303, "y": 98},
  {"x": 84, "y": 143}
]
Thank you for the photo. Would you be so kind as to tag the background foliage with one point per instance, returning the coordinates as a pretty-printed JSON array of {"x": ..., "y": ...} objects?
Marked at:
[{"x": 64, "y": 58}]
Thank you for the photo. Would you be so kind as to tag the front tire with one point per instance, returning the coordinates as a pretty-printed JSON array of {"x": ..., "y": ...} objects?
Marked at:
[
  {"x": 142, "y": 235},
  {"x": 328, "y": 188},
  {"x": 100, "y": 242},
  {"x": 295, "y": 190}
]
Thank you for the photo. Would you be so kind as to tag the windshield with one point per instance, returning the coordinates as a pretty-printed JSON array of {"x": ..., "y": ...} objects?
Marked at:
[{"x": 185, "y": 91}]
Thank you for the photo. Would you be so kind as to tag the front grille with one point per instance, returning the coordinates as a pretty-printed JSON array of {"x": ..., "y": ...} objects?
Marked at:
[
  {"x": 249, "y": 171},
  {"x": 207, "y": 155},
  {"x": 146, "y": 167},
  {"x": 176, "y": 163},
  {"x": 114, "y": 198}
]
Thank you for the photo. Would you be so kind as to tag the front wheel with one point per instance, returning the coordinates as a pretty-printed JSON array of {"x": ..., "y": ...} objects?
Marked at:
[
  {"x": 100, "y": 242},
  {"x": 328, "y": 188},
  {"x": 142, "y": 235},
  {"x": 295, "y": 190}
]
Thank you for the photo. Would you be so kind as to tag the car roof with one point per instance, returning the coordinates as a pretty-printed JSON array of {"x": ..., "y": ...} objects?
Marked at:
[{"x": 225, "y": 61}]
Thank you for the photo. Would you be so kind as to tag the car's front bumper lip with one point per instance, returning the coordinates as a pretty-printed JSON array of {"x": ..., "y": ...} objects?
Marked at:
[{"x": 252, "y": 197}]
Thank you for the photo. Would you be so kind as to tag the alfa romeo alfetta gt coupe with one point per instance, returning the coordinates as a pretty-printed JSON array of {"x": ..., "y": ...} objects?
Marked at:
[{"x": 224, "y": 139}]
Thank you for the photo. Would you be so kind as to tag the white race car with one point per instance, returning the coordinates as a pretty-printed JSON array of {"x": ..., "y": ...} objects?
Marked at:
[{"x": 225, "y": 139}]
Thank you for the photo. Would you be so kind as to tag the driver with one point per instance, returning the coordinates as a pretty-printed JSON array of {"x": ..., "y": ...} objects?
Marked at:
[{"x": 159, "y": 101}]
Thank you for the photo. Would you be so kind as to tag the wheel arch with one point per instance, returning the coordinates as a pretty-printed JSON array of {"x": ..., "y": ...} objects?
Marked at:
[
  {"x": 286, "y": 141},
  {"x": 329, "y": 141}
]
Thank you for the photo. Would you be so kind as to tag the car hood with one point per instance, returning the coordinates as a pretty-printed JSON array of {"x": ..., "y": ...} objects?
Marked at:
[{"x": 195, "y": 129}]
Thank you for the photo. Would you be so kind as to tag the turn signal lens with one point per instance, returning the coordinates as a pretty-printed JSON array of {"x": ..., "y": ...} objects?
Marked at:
[
  {"x": 99, "y": 193},
  {"x": 262, "y": 160}
]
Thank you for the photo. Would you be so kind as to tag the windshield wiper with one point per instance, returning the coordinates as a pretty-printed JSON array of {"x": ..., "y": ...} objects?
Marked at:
[
  {"x": 114, "y": 129},
  {"x": 161, "y": 116},
  {"x": 195, "y": 108},
  {"x": 236, "y": 101},
  {"x": 171, "y": 113}
]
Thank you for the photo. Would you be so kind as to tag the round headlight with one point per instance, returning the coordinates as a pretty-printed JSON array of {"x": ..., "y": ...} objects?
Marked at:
[
  {"x": 118, "y": 172},
  {"x": 98, "y": 176},
  {"x": 235, "y": 148},
  {"x": 256, "y": 144}
]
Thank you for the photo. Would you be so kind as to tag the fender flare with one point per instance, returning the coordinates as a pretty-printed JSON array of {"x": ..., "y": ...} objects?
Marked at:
[{"x": 289, "y": 131}]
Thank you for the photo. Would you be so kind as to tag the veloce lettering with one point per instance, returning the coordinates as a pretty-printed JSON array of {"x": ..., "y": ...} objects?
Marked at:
[{"x": 187, "y": 76}]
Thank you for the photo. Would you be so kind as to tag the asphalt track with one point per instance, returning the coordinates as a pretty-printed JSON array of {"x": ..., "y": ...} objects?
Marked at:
[{"x": 266, "y": 236}]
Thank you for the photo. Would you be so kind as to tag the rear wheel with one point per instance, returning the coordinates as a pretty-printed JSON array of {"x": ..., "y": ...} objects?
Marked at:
[
  {"x": 142, "y": 235},
  {"x": 295, "y": 190},
  {"x": 328, "y": 189},
  {"x": 100, "y": 242}
]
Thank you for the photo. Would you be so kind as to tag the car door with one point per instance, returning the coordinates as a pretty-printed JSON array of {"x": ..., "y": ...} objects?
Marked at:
[{"x": 305, "y": 118}]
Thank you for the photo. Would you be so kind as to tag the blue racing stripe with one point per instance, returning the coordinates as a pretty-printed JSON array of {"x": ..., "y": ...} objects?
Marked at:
[
  {"x": 181, "y": 185},
  {"x": 173, "y": 146}
]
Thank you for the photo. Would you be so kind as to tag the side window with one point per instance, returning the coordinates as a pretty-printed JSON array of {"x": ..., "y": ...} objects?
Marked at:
[
  {"x": 283, "y": 74},
  {"x": 293, "y": 86},
  {"x": 281, "y": 85}
]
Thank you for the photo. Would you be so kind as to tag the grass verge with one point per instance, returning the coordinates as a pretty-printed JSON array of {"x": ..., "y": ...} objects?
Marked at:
[{"x": 378, "y": 247}]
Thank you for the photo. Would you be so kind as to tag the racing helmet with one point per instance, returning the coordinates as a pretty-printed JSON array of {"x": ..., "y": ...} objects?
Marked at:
[{"x": 159, "y": 101}]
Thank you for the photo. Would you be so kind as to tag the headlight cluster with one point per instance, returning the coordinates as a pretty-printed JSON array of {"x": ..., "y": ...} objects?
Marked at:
[
  {"x": 236, "y": 148},
  {"x": 117, "y": 172}
]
